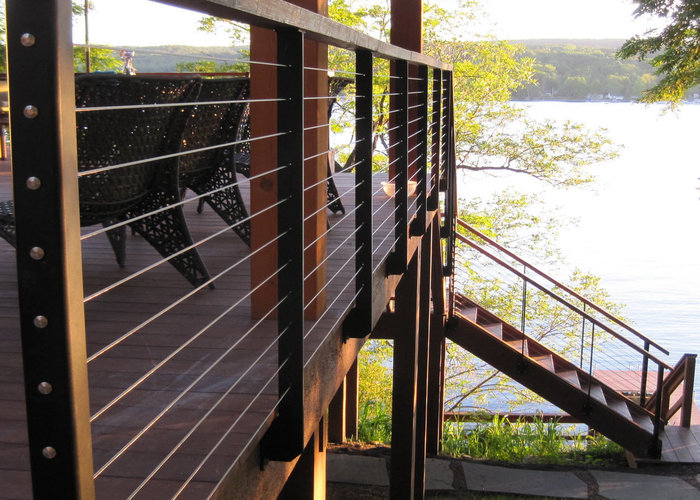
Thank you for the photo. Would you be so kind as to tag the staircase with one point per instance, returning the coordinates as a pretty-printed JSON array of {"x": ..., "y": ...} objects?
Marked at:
[
  {"x": 635, "y": 425},
  {"x": 554, "y": 378}
]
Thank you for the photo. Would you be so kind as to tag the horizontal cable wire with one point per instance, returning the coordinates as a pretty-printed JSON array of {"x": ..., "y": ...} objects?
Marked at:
[
  {"x": 174, "y": 353},
  {"x": 318, "y": 154},
  {"x": 245, "y": 447},
  {"x": 330, "y": 306},
  {"x": 333, "y": 226},
  {"x": 389, "y": 235},
  {"x": 334, "y": 71},
  {"x": 329, "y": 281},
  {"x": 122, "y": 107},
  {"x": 319, "y": 98},
  {"x": 170, "y": 54},
  {"x": 330, "y": 255},
  {"x": 327, "y": 205},
  {"x": 219, "y": 401},
  {"x": 180, "y": 252},
  {"x": 340, "y": 318},
  {"x": 178, "y": 154},
  {"x": 179, "y": 203},
  {"x": 155, "y": 419},
  {"x": 180, "y": 300}
]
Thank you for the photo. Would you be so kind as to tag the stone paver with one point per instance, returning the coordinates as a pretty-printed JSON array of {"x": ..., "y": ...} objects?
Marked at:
[
  {"x": 623, "y": 486},
  {"x": 438, "y": 475},
  {"x": 523, "y": 481},
  {"x": 356, "y": 469}
]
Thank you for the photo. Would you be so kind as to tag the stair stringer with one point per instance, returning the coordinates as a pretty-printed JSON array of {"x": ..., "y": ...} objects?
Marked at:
[{"x": 552, "y": 387}]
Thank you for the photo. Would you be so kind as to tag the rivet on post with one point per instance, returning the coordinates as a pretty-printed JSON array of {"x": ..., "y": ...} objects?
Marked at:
[
  {"x": 31, "y": 111},
  {"x": 37, "y": 253},
  {"x": 41, "y": 321},
  {"x": 28, "y": 40},
  {"x": 33, "y": 183},
  {"x": 49, "y": 452},
  {"x": 45, "y": 388}
]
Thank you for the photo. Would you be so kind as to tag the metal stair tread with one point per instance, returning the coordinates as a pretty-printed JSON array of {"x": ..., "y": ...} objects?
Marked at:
[
  {"x": 517, "y": 344},
  {"x": 469, "y": 313},
  {"x": 571, "y": 376},
  {"x": 596, "y": 392},
  {"x": 545, "y": 360},
  {"x": 620, "y": 406},
  {"x": 496, "y": 329}
]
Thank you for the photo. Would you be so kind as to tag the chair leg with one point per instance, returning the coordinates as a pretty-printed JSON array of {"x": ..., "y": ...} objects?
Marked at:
[
  {"x": 117, "y": 238},
  {"x": 227, "y": 203},
  {"x": 167, "y": 232},
  {"x": 332, "y": 196}
]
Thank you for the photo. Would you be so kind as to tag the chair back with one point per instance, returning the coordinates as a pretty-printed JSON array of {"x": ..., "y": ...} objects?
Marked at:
[
  {"x": 211, "y": 125},
  {"x": 116, "y": 136}
]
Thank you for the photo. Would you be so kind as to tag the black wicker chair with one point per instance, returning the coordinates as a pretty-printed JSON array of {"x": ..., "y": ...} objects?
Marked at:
[
  {"x": 107, "y": 138},
  {"x": 213, "y": 171},
  {"x": 240, "y": 155}
]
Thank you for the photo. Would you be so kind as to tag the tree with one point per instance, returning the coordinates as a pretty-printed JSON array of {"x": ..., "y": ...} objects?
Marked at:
[
  {"x": 673, "y": 50},
  {"x": 100, "y": 59}
]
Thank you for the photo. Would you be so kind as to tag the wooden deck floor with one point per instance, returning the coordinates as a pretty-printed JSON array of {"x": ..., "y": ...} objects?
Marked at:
[{"x": 160, "y": 382}]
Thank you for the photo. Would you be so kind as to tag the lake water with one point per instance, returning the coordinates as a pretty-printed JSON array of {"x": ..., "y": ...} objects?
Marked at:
[{"x": 639, "y": 229}]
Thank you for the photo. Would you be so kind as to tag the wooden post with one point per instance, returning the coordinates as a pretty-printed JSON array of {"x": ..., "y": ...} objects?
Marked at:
[
  {"x": 352, "y": 382},
  {"x": 407, "y": 32},
  {"x": 308, "y": 479},
  {"x": 436, "y": 366},
  {"x": 263, "y": 191},
  {"x": 688, "y": 382},
  {"x": 422, "y": 358},
  {"x": 336, "y": 415},
  {"x": 403, "y": 414}
]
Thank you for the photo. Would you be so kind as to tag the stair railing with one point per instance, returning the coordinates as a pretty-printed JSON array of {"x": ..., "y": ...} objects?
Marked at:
[
  {"x": 657, "y": 405},
  {"x": 682, "y": 373}
]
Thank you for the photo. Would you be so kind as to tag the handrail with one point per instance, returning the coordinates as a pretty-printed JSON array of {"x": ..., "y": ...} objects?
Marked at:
[
  {"x": 562, "y": 286},
  {"x": 274, "y": 14},
  {"x": 564, "y": 302},
  {"x": 682, "y": 372}
]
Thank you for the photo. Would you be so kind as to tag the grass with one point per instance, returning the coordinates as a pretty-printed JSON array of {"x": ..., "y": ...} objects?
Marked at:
[{"x": 528, "y": 442}]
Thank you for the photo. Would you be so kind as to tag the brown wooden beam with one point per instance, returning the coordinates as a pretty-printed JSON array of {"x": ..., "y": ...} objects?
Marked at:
[
  {"x": 352, "y": 383},
  {"x": 336, "y": 415},
  {"x": 403, "y": 415},
  {"x": 436, "y": 363},
  {"x": 308, "y": 479},
  {"x": 422, "y": 358}
]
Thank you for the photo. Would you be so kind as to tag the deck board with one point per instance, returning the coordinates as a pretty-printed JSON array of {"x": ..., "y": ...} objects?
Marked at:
[{"x": 193, "y": 334}]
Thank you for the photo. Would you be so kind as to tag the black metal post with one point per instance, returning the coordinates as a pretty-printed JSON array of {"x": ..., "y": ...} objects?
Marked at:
[
  {"x": 448, "y": 231},
  {"x": 583, "y": 334},
  {"x": 285, "y": 440},
  {"x": 398, "y": 259},
  {"x": 523, "y": 309},
  {"x": 359, "y": 322},
  {"x": 49, "y": 265},
  {"x": 645, "y": 372},
  {"x": 418, "y": 224},
  {"x": 435, "y": 131},
  {"x": 658, "y": 418}
]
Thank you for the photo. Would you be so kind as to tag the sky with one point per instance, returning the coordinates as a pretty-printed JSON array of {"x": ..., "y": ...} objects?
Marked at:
[{"x": 141, "y": 22}]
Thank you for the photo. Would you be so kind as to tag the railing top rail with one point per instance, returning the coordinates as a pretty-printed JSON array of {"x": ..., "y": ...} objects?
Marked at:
[
  {"x": 568, "y": 290},
  {"x": 563, "y": 301},
  {"x": 279, "y": 14}
]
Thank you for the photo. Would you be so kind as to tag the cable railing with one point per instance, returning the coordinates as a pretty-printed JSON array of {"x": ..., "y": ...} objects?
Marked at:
[
  {"x": 233, "y": 273},
  {"x": 560, "y": 318}
]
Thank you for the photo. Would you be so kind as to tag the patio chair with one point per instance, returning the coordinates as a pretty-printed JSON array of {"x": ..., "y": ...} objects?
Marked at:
[
  {"x": 131, "y": 137},
  {"x": 213, "y": 172}
]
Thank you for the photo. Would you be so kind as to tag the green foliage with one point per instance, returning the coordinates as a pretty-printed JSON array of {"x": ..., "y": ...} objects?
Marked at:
[
  {"x": 100, "y": 60},
  {"x": 375, "y": 392},
  {"x": 673, "y": 51},
  {"x": 529, "y": 442},
  {"x": 569, "y": 72}
]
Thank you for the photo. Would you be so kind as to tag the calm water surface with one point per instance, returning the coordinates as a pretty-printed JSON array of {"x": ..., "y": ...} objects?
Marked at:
[{"x": 639, "y": 230}]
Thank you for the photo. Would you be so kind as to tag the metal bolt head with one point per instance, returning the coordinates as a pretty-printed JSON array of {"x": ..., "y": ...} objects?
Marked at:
[
  {"x": 28, "y": 40},
  {"x": 37, "y": 253},
  {"x": 33, "y": 183},
  {"x": 45, "y": 388},
  {"x": 41, "y": 321},
  {"x": 31, "y": 111},
  {"x": 49, "y": 452}
]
